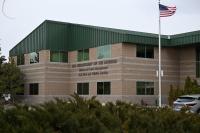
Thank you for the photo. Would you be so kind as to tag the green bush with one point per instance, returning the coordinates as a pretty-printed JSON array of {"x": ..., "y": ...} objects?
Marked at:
[{"x": 78, "y": 115}]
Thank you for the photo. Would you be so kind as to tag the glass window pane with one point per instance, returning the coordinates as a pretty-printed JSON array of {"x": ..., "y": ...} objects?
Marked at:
[
  {"x": 83, "y": 55},
  {"x": 197, "y": 62},
  {"x": 34, "y": 57},
  {"x": 63, "y": 57},
  {"x": 140, "y": 91},
  {"x": 108, "y": 51},
  {"x": 149, "y": 88},
  {"x": 100, "y": 88},
  {"x": 106, "y": 87},
  {"x": 100, "y": 53},
  {"x": 140, "y": 51},
  {"x": 86, "y": 55},
  {"x": 141, "y": 84},
  {"x": 36, "y": 89},
  {"x": 79, "y": 88},
  {"x": 197, "y": 69},
  {"x": 145, "y": 88},
  {"x": 103, "y": 88},
  {"x": 54, "y": 57},
  {"x": 145, "y": 51},
  {"x": 20, "y": 59},
  {"x": 58, "y": 56},
  {"x": 33, "y": 89},
  {"x": 149, "y": 91},
  {"x": 149, "y": 52},
  {"x": 85, "y": 88},
  {"x": 104, "y": 52},
  {"x": 80, "y": 55},
  {"x": 85, "y": 91}
]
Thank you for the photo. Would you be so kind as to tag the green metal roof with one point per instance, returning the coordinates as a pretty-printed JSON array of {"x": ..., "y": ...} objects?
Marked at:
[
  {"x": 60, "y": 36},
  {"x": 186, "y": 38}
]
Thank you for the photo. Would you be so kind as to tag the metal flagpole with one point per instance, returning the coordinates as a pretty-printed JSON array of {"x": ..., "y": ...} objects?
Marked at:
[{"x": 159, "y": 58}]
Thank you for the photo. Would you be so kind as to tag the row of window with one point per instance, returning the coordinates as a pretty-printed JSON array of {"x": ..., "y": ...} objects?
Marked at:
[
  {"x": 104, "y": 88},
  {"x": 34, "y": 57},
  {"x": 33, "y": 89},
  {"x": 143, "y": 51}
]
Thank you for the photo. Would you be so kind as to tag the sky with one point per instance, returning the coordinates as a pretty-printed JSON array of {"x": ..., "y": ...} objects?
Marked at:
[{"x": 135, "y": 15}]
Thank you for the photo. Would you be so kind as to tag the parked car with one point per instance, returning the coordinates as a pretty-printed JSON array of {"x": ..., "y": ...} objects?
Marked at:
[{"x": 190, "y": 101}]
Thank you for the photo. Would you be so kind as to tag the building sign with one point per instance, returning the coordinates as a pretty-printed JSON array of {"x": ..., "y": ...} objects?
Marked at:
[{"x": 94, "y": 68}]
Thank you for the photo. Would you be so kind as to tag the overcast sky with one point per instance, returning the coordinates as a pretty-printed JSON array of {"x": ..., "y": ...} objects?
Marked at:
[{"x": 136, "y": 15}]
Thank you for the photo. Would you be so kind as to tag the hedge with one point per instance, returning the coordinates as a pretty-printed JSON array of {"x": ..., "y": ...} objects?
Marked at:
[{"x": 78, "y": 115}]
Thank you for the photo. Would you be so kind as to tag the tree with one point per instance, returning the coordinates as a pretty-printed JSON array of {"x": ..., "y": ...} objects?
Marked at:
[
  {"x": 190, "y": 87},
  {"x": 11, "y": 78}
]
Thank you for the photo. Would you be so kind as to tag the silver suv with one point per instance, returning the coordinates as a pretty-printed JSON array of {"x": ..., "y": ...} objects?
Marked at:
[{"x": 191, "y": 101}]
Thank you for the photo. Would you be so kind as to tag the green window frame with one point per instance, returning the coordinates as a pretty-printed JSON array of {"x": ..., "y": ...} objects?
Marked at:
[
  {"x": 34, "y": 89},
  {"x": 83, "y": 55},
  {"x": 197, "y": 62},
  {"x": 58, "y": 56},
  {"x": 144, "y": 51},
  {"x": 103, "y": 88},
  {"x": 104, "y": 52},
  {"x": 20, "y": 59},
  {"x": 34, "y": 57},
  {"x": 83, "y": 88},
  {"x": 145, "y": 88}
]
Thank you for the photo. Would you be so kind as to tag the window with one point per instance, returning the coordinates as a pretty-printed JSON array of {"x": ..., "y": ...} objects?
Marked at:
[
  {"x": 20, "y": 59},
  {"x": 33, "y": 89},
  {"x": 58, "y": 57},
  {"x": 104, "y": 52},
  {"x": 83, "y": 88},
  {"x": 34, "y": 57},
  {"x": 83, "y": 55},
  {"x": 103, "y": 88},
  {"x": 144, "y": 51},
  {"x": 198, "y": 62},
  {"x": 145, "y": 88}
]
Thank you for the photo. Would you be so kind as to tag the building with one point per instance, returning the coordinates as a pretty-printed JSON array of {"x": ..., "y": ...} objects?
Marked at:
[{"x": 59, "y": 59}]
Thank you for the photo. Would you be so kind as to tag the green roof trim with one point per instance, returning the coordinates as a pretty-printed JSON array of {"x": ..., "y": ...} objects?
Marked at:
[
  {"x": 186, "y": 38},
  {"x": 62, "y": 36}
]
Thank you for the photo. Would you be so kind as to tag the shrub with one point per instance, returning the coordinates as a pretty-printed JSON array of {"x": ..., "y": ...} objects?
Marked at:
[{"x": 89, "y": 116}]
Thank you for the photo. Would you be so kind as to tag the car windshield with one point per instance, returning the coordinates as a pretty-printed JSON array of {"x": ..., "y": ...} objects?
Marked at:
[{"x": 186, "y": 99}]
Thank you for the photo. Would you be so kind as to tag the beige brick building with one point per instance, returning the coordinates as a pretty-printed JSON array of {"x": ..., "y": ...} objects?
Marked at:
[{"x": 59, "y": 59}]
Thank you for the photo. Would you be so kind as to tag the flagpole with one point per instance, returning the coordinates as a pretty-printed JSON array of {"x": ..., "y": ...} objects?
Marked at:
[{"x": 159, "y": 59}]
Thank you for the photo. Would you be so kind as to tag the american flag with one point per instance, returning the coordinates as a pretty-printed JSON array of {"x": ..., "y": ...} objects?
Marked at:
[{"x": 166, "y": 11}]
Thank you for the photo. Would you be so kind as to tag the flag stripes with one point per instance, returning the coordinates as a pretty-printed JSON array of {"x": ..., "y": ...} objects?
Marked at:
[{"x": 166, "y": 11}]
